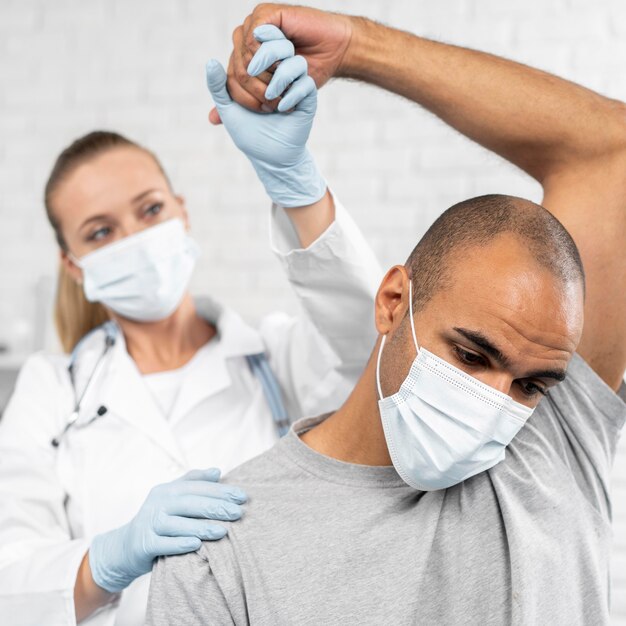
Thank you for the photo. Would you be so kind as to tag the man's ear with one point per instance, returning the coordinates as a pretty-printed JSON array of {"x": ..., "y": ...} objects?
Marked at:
[
  {"x": 71, "y": 268},
  {"x": 184, "y": 213},
  {"x": 392, "y": 299}
]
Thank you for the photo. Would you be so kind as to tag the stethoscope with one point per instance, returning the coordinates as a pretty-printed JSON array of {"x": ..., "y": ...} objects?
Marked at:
[
  {"x": 110, "y": 336},
  {"x": 258, "y": 363}
]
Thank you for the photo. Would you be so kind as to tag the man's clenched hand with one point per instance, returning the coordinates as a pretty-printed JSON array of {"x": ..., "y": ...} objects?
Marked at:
[{"x": 321, "y": 38}]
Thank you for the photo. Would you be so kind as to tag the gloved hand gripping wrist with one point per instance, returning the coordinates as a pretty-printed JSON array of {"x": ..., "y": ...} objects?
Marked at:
[{"x": 275, "y": 143}]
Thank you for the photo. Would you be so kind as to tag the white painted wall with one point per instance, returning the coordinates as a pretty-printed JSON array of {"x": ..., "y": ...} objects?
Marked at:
[{"x": 136, "y": 66}]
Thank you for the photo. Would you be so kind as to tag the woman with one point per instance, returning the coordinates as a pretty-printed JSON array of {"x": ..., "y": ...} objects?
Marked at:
[{"x": 166, "y": 384}]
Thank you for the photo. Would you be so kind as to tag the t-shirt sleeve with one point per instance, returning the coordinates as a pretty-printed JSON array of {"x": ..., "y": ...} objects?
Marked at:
[
  {"x": 582, "y": 418},
  {"x": 184, "y": 590}
]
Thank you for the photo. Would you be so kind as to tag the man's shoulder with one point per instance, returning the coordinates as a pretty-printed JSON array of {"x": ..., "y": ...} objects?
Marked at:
[
  {"x": 268, "y": 469},
  {"x": 584, "y": 396},
  {"x": 575, "y": 428}
]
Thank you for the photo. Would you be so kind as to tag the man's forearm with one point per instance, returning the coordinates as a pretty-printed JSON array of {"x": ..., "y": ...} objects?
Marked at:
[{"x": 533, "y": 119}]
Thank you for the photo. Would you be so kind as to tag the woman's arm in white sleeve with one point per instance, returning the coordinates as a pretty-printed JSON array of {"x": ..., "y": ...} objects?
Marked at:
[
  {"x": 39, "y": 558},
  {"x": 319, "y": 355}
]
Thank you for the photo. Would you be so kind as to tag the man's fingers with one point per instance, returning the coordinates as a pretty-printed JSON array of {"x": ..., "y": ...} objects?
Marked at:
[
  {"x": 287, "y": 72},
  {"x": 263, "y": 15},
  {"x": 245, "y": 89},
  {"x": 244, "y": 97},
  {"x": 302, "y": 95},
  {"x": 268, "y": 54},
  {"x": 216, "y": 81}
]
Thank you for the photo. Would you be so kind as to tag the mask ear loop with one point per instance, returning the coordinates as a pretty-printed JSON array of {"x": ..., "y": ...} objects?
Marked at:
[
  {"x": 380, "y": 353},
  {"x": 417, "y": 348},
  {"x": 73, "y": 259},
  {"x": 382, "y": 342}
]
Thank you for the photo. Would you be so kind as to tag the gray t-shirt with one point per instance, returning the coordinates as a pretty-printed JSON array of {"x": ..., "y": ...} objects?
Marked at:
[{"x": 326, "y": 542}]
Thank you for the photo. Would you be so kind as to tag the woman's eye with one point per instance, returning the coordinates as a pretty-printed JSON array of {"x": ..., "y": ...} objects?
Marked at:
[
  {"x": 100, "y": 234},
  {"x": 530, "y": 389},
  {"x": 469, "y": 358},
  {"x": 154, "y": 209}
]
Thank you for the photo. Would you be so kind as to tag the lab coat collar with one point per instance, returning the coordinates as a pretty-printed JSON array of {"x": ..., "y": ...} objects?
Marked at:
[
  {"x": 236, "y": 337},
  {"x": 210, "y": 374},
  {"x": 126, "y": 395}
]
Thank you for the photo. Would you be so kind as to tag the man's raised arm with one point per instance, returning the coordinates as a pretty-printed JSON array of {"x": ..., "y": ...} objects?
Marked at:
[{"x": 570, "y": 139}]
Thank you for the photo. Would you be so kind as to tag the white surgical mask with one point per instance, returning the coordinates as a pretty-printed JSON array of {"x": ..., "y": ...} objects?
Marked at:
[
  {"x": 444, "y": 425},
  {"x": 142, "y": 277}
]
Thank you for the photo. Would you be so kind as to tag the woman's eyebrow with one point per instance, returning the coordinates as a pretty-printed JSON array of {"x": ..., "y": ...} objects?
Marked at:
[
  {"x": 94, "y": 218},
  {"x": 143, "y": 194}
]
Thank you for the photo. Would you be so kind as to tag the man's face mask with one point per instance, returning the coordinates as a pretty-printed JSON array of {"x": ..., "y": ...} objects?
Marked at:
[
  {"x": 142, "y": 277},
  {"x": 444, "y": 425}
]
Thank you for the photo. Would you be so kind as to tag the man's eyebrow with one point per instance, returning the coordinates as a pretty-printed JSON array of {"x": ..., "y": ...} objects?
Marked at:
[
  {"x": 481, "y": 341},
  {"x": 558, "y": 375}
]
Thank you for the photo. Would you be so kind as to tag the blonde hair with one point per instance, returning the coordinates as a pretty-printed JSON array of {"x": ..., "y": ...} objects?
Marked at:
[{"x": 74, "y": 315}]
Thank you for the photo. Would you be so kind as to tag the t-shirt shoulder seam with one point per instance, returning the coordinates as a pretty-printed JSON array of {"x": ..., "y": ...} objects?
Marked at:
[{"x": 614, "y": 419}]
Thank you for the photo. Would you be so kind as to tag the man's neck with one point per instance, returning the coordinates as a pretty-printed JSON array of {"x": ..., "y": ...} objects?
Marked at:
[
  {"x": 167, "y": 344},
  {"x": 354, "y": 434}
]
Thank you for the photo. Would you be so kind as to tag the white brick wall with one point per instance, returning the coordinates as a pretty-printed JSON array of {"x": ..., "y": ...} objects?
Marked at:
[{"x": 136, "y": 66}]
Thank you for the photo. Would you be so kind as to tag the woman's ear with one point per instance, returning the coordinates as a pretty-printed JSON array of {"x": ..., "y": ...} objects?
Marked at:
[
  {"x": 71, "y": 268},
  {"x": 392, "y": 299}
]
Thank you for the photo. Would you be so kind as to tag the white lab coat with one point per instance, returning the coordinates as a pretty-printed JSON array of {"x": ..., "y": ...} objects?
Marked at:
[{"x": 53, "y": 501}]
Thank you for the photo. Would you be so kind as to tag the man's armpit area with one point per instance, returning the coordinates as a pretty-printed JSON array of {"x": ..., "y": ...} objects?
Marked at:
[{"x": 183, "y": 590}]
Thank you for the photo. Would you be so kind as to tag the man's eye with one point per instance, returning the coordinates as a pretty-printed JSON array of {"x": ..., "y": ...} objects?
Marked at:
[
  {"x": 530, "y": 389},
  {"x": 154, "y": 209},
  {"x": 100, "y": 234},
  {"x": 469, "y": 358}
]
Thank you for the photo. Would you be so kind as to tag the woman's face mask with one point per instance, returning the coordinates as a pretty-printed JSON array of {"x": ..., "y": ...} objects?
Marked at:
[{"x": 142, "y": 277}]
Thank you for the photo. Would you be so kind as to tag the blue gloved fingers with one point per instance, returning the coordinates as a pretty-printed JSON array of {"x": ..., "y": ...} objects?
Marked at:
[
  {"x": 268, "y": 32},
  {"x": 302, "y": 95},
  {"x": 269, "y": 53},
  {"x": 202, "y": 507},
  {"x": 210, "y": 489},
  {"x": 216, "y": 82},
  {"x": 286, "y": 73},
  {"x": 169, "y": 526},
  {"x": 168, "y": 546},
  {"x": 212, "y": 474}
]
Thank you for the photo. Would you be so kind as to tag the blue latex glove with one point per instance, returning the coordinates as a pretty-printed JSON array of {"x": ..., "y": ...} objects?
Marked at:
[
  {"x": 172, "y": 520},
  {"x": 275, "y": 143}
]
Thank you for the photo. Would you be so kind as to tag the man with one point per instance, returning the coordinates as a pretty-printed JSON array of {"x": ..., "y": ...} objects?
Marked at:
[{"x": 475, "y": 329}]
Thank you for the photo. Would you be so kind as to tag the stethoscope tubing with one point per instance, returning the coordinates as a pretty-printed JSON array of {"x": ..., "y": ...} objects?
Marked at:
[{"x": 109, "y": 342}]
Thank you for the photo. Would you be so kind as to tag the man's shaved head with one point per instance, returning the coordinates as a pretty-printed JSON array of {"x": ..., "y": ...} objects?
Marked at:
[{"x": 477, "y": 222}]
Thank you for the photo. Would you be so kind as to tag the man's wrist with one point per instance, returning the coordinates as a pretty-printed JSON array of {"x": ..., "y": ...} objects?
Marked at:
[{"x": 365, "y": 44}]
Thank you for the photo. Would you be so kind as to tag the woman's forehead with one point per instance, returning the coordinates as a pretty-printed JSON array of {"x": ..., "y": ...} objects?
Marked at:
[{"x": 113, "y": 177}]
